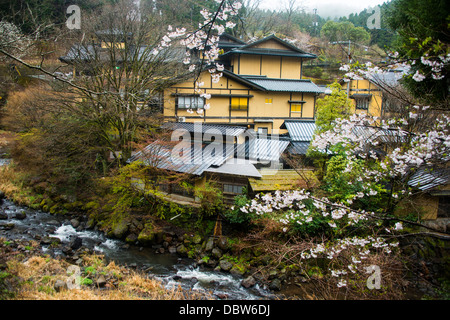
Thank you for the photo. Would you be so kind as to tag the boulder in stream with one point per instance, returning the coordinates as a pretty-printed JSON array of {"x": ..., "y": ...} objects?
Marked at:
[
  {"x": 76, "y": 243},
  {"x": 3, "y": 215},
  {"x": 20, "y": 215}
]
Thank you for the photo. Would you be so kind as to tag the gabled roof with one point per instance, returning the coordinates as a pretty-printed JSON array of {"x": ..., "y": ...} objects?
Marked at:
[
  {"x": 236, "y": 167},
  {"x": 291, "y": 50}
]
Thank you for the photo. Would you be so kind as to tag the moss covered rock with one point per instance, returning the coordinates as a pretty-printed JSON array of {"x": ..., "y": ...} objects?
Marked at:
[
  {"x": 120, "y": 230},
  {"x": 148, "y": 235}
]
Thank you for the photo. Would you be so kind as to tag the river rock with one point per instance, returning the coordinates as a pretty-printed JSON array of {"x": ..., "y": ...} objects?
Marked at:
[
  {"x": 90, "y": 224},
  {"x": 20, "y": 215},
  {"x": 197, "y": 239},
  {"x": 225, "y": 265},
  {"x": 75, "y": 223},
  {"x": 7, "y": 226},
  {"x": 53, "y": 222},
  {"x": 209, "y": 244},
  {"x": 216, "y": 253},
  {"x": 121, "y": 229},
  {"x": 172, "y": 249},
  {"x": 50, "y": 240},
  {"x": 248, "y": 282},
  {"x": 76, "y": 243},
  {"x": 3, "y": 215},
  {"x": 60, "y": 285},
  {"x": 101, "y": 281},
  {"x": 238, "y": 271},
  {"x": 131, "y": 238},
  {"x": 223, "y": 244},
  {"x": 275, "y": 285},
  {"x": 181, "y": 249}
]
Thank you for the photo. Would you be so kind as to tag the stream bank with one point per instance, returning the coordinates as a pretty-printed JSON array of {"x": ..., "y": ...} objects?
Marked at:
[{"x": 68, "y": 238}]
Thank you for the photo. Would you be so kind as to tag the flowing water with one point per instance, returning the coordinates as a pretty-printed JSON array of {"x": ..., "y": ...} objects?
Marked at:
[{"x": 169, "y": 268}]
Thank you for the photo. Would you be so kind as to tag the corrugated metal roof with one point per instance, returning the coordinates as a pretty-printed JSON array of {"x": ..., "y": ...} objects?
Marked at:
[
  {"x": 285, "y": 85},
  {"x": 193, "y": 158},
  {"x": 371, "y": 134},
  {"x": 299, "y": 147},
  {"x": 262, "y": 149},
  {"x": 233, "y": 131},
  {"x": 427, "y": 180},
  {"x": 300, "y": 130}
]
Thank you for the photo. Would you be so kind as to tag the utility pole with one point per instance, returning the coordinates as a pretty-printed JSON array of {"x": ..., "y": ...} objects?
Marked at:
[
  {"x": 315, "y": 23},
  {"x": 349, "y": 55}
]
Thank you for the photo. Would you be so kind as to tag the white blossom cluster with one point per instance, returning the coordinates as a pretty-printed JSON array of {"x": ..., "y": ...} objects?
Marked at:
[
  {"x": 13, "y": 39},
  {"x": 353, "y": 252},
  {"x": 291, "y": 207}
]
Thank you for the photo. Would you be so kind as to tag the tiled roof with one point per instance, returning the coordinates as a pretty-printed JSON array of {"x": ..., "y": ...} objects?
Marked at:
[
  {"x": 284, "y": 85},
  {"x": 291, "y": 50}
]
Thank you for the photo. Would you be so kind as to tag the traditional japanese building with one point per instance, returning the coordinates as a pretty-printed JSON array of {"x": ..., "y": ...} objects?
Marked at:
[{"x": 261, "y": 87}]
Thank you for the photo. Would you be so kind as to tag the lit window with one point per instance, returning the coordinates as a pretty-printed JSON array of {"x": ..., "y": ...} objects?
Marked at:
[
  {"x": 239, "y": 103},
  {"x": 190, "y": 102},
  {"x": 269, "y": 101},
  {"x": 296, "y": 108}
]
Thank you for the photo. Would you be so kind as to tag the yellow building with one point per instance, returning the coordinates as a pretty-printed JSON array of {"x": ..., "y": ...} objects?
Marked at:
[
  {"x": 261, "y": 87},
  {"x": 367, "y": 97},
  {"x": 372, "y": 95}
]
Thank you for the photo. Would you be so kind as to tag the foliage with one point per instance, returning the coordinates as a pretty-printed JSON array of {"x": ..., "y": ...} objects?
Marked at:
[
  {"x": 210, "y": 198},
  {"x": 333, "y": 106},
  {"x": 344, "y": 31},
  {"x": 235, "y": 215},
  {"x": 423, "y": 29}
]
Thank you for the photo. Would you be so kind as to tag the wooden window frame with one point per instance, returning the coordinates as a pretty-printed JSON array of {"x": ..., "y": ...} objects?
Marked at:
[{"x": 198, "y": 104}]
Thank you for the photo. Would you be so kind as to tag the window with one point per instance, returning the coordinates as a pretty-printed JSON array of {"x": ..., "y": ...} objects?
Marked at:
[
  {"x": 263, "y": 130},
  {"x": 362, "y": 103},
  {"x": 296, "y": 108},
  {"x": 232, "y": 188},
  {"x": 239, "y": 103},
  {"x": 269, "y": 101},
  {"x": 190, "y": 102}
]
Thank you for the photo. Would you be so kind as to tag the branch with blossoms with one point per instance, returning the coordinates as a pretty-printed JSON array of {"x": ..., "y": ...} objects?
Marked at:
[
  {"x": 387, "y": 177},
  {"x": 205, "y": 40}
]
